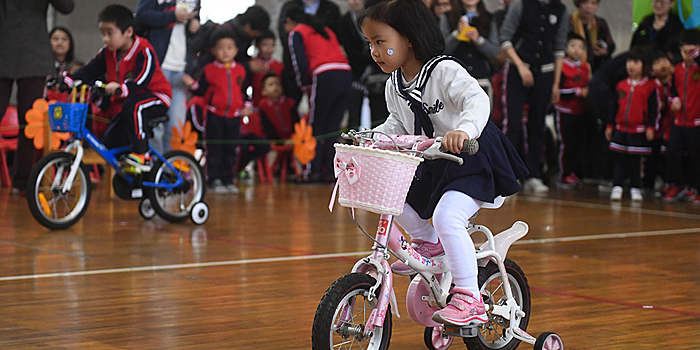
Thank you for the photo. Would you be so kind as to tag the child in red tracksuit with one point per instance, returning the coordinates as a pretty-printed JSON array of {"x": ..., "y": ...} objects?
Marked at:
[
  {"x": 222, "y": 83},
  {"x": 632, "y": 128},
  {"x": 573, "y": 89},
  {"x": 662, "y": 71},
  {"x": 278, "y": 113},
  {"x": 265, "y": 44},
  {"x": 138, "y": 87},
  {"x": 685, "y": 132}
]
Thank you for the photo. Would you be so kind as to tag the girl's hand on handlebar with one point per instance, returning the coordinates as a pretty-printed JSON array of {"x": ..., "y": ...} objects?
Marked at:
[
  {"x": 111, "y": 88},
  {"x": 454, "y": 140}
]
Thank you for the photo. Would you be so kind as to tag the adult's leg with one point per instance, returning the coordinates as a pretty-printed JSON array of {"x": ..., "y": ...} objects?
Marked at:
[
  {"x": 356, "y": 96},
  {"x": 451, "y": 218},
  {"x": 178, "y": 107},
  {"x": 693, "y": 143},
  {"x": 377, "y": 104},
  {"x": 5, "y": 93},
  {"x": 28, "y": 90}
]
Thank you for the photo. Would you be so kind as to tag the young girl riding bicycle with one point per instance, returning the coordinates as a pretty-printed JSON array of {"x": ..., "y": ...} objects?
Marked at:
[{"x": 434, "y": 95}]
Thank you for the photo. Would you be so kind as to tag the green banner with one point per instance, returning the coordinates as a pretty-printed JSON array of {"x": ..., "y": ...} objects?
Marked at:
[{"x": 688, "y": 10}]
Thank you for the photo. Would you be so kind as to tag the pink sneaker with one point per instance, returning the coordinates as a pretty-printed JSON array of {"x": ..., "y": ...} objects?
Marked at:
[
  {"x": 462, "y": 310},
  {"x": 428, "y": 250}
]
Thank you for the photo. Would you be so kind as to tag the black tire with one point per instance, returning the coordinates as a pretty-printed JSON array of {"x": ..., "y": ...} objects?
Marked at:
[
  {"x": 165, "y": 202},
  {"x": 491, "y": 334},
  {"x": 353, "y": 286},
  {"x": 60, "y": 210}
]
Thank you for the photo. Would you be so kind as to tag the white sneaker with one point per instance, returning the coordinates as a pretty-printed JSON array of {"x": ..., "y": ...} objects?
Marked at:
[
  {"x": 535, "y": 185},
  {"x": 636, "y": 194},
  {"x": 218, "y": 187},
  {"x": 616, "y": 194}
]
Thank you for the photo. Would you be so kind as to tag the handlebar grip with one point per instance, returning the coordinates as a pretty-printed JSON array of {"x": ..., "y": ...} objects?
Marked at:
[{"x": 471, "y": 146}]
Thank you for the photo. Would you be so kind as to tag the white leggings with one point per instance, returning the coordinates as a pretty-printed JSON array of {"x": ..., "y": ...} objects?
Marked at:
[{"x": 450, "y": 217}]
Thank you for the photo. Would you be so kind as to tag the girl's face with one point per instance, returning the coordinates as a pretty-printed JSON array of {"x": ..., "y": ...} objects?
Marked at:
[
  {"x": 60, "y": 43},
  {"x": 635, "y": 68},
  {"x": 389, "y": 48},
  {"x": 588, "y": 8}
]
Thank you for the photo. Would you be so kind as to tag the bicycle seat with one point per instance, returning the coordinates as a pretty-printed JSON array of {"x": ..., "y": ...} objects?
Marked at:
[
  {"x": 153, "y": 122},
  {"x": 497, "y": 203}
]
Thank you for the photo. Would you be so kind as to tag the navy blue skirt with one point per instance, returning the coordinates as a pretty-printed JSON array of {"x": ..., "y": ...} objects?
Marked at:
[{"x": 493, "y": 171}]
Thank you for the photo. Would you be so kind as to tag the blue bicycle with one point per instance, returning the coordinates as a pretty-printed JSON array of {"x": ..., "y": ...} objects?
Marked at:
[{"x": 59, "y": 186}]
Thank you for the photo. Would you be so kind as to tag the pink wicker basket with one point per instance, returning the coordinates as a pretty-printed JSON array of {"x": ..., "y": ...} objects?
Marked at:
[{"x": 373, "y": 179}]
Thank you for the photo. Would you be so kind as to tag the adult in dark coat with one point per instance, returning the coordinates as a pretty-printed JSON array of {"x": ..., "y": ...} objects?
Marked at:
[
  {"x": 327, "y": 13},
  {"x": 25, "y": 58},
  {"x": 661, "y": 31}
]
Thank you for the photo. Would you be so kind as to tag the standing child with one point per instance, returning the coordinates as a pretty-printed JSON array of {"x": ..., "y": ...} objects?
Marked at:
[
  {"x": 405, "y": 40},
  {"x": 138, "y": 87},
  {"x": 631, "y": 129},
  {"x": 685, "y": 132},
  {"x": 222, "y": 85},
  {"x": 322, "y": 69},
  {"x": 278, "y": 113},
  {"x": 662, "y": 71},
  {"x": 571, "y": 107},
  {"x": 265, "y": 44}
]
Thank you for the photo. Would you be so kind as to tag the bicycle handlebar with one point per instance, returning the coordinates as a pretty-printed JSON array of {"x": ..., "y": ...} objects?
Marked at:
[{"x": 433, "y": 147}]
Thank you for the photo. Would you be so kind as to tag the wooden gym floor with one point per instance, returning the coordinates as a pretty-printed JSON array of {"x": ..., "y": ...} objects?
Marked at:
[{"x": 602, "y": 275}]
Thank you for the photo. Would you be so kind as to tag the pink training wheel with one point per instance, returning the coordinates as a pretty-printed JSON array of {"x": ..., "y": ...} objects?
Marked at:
[
  {"x": 549, "y": 341},
  {"x": 434, "y": 340}
]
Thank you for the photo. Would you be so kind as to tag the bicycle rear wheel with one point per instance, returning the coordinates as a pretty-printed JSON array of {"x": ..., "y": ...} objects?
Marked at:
[
  {"x": 175, "y": 204},
  {"x": 340, "y": 318},
  {"x": 49, "y": 206}
]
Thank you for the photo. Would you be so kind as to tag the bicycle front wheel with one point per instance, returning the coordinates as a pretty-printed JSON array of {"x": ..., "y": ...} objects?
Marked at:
[
  {"x": 175, "y": 204},
  {"x": 341, "y": 317},
  {"x": 49, "y": 205}
]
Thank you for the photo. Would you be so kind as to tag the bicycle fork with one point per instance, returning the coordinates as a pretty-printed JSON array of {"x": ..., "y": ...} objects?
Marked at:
[{"x": 73, "y": 168}]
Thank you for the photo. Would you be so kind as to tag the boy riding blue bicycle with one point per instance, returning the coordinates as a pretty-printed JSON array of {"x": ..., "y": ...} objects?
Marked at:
[{"x": 135, "y": 81}]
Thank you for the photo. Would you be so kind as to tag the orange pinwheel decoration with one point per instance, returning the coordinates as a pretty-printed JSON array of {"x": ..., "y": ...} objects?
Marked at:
[
  {"x": 304, "y": 142},
  {"x": 184, "y": 139},
  {"x": 36, "y": 118}
]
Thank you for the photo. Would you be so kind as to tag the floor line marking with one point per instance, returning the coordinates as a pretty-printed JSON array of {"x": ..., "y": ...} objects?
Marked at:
[
  {"x": 608, "y": 236},
  {"x": 608, "y": 207},
  {"x": 182, "y": 266}
]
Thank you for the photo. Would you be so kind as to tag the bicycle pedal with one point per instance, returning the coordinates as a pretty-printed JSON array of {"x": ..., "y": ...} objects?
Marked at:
[{"x": 463, "y": 332}]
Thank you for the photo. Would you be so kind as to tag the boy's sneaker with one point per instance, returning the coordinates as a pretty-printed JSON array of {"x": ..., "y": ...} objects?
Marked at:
[
  {"x": 140, "y": 163},
  {"x": 569, "y": 182},
  {"x": 673, "y": 193},
  {"x": 636, "y": 194},
  {"x": 536, "y": 185},
  {"x": 218, "y": 187},
  {"x": 428, "y": 250},
  {"x": 688, "y": 195},
  {"x": 616, "y": 194},
  {"x": 462, "y": 310}
]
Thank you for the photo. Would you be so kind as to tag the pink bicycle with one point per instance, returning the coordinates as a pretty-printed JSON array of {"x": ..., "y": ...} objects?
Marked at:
[{"x": 356, "y": 310}]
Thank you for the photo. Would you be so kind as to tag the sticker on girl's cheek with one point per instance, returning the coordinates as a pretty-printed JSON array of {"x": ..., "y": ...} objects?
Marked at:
[{"x": 390, "y": 52}]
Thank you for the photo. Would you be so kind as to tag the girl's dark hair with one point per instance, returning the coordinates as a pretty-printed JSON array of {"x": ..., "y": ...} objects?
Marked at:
[
  {"x": 269, "y": 75},
  {"x": 412, "y": 19},
  {"x": 296, "y": 13},
  {"x": 574, "y": 36},
  {"x": 638, "y": 54},
  {"x": 120, "y": 15},
  {"x": 70, "y": 55},
  {"x": 483, "y": 16}
]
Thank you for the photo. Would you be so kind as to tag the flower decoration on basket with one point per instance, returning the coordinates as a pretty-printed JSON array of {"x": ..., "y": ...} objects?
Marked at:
[
  {"x": 184, "y": 139},
  {"x": 304, "y": 142},
  {"x": 37, "y": 120}
]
